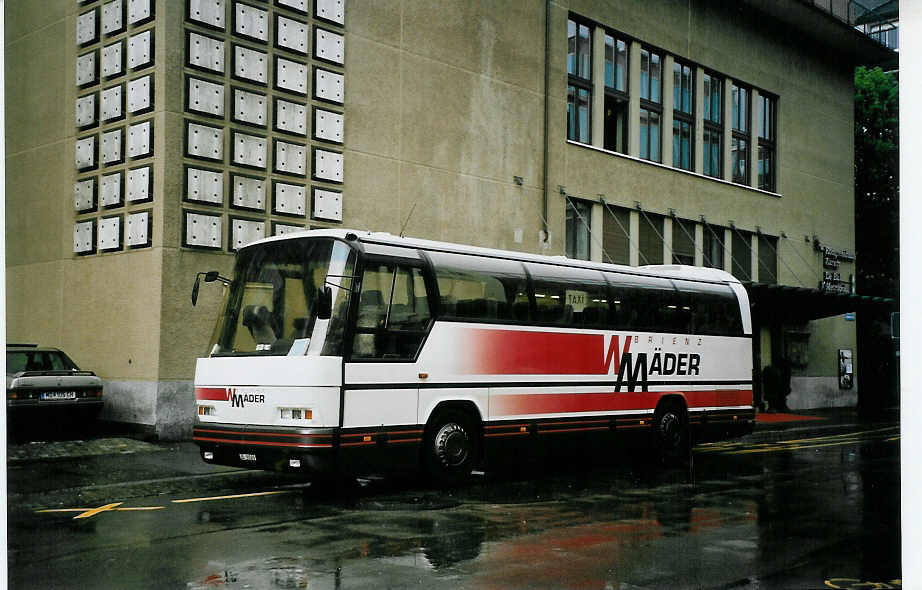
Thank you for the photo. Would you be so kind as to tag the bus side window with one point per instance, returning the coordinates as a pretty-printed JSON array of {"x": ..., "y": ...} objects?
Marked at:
[{"x": 480, "y": 289}]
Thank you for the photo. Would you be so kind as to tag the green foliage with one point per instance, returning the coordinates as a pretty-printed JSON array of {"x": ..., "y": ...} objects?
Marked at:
[{"x": 877, "y": 181}]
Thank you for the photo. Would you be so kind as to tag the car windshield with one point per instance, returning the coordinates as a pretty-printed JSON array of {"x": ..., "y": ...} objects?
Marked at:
[
  {"x": 38, "y": 360},
  {"x": 272, "y": 305}
]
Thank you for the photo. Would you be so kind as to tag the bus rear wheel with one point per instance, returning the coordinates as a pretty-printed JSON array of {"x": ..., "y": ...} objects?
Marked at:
[
  {"x": 670, "y": 433},
  {"x": 450, "y": 447}
]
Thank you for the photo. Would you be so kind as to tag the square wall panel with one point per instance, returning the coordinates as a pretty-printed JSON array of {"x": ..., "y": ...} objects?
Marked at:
[
  {"x": 250, "y": 107},
  {"x": 113, "y": 60},
  {"x": 86, "y": 69},
  {"x": 290, "y": 117},
  {"x": 202, "y": 230},
  {"x": 290, "y": 158},
  {"x": 138, "y": 229},
  {"x": 204, "y": 142},
  {"x": 204, "y": 186},
  {"x": 141, "y": 139},
  {"x": 244, "y": 231},
  {"x": 280, "y": 229},
  {"x": 85, "y": 195},
  {"x": 329, "y": 46},
  {"x": 206, "y": 97},
  {"x": 249, "y": 193},
  {"x": 206, "y": 53},
  {"x": 250, "y": 64},
  {"x": 249, "y": 150},
  {"x": 291, "y": 34},
  {"x": 328, "y": 125},
  {"x": 84, "y": 237},
  {"x": 207, "y": 12},
  {"x": 299, "y": 5},
  {"x": 110, "y": 150},
  {"x": 139, "y": 94},
  {"x": 139, "y": 11},
  {"x": 290, "y": 75},
  {"x": 289, "y": 199},
  {"x": 113, "y": 17},
  {"x": 110, "y": 234},
  {"x": 141, "y": 50},
  {"x": 86, "y": 28},
  {"x": 139, "y": 184},
  {"x": 251, "y": 22},
  {"x": 86, "y": 110},
  {"x": 328, "y": 205},
  {"x": 332, "y": 10},
  {"x": 85, "y": 153},
  {"x": 328, "y": 166},
  {"x": 328, "y": 86},
  {"x": 112, "y": 101},
  {"x": 110, "y": 190}
]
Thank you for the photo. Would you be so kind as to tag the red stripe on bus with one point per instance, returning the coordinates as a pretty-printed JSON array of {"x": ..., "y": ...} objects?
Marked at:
[
  {"x": 211, "y": 393},
  {"x": 554, "y": 403},
  {"x": 519, "y": 352}
]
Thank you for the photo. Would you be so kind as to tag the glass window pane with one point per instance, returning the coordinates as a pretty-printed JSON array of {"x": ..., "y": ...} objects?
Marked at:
[
  {"x": 569, "y": 296},
  {"x": 585, "y": 53},
  {"x": 583, "y": 114},
  {"x": 740, "y": 158},
  {"x": 656, "y": 78},
  {"x": 571, "y": 47},
  {"x": 741, "y": 256},
  {"x": 621, "y": 69},
  {"x": 644, "y": 134},
  {"x": 471, "y": 287},
  {"x": 615, "y": 124},
  {"x": 654, "y": 136},
  {"x": 677, "y": 86},
  {"x": 644, "y": 74},
  {"x": 713, "y": 247},
  {"x": 609, "y": 61},
  {"x": 676, "y": 143}
]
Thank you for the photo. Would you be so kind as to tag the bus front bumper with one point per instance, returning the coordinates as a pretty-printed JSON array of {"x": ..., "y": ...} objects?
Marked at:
[{"x": 302, "y": 450}]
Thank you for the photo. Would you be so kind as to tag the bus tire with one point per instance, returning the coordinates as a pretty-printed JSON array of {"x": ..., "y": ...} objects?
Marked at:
[
  {"x": 450, "y": 447},
  {"x": 670, "y": 433}
]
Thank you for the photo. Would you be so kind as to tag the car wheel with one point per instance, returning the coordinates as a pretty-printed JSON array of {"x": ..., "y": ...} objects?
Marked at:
[{"x": 450, "y": 447}]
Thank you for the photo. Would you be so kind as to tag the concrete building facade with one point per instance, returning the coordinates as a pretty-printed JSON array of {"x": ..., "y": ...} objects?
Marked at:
[{"x": 148, "y": 139}]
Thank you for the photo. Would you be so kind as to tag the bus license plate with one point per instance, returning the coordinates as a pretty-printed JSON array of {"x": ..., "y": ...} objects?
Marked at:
[
  {"x": 247, "y": 457},
  {"x": 59, "y": 395}
]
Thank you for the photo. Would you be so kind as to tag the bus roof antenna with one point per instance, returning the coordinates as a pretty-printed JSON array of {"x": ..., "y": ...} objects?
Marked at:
[{"x": 410, "y": 214}]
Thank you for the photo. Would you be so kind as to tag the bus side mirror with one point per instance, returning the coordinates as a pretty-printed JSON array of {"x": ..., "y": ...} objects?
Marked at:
[
  {"x": 210, "y": 277},
  {"x": 325, "y": 303}
]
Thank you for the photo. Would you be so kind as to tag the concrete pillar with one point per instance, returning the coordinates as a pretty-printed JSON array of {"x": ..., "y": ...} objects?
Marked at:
[
  {"x": 633, "y": 110},
  {"x": 728, "y": 250},
  {"x": 728, "y": 126},
  {"x": 595, "y": 229},
  {"x": 699, "y": 244},
  {"x": 667, "y": 240},
  {"x": 668, "y": 105},
  {"x": 597, "y": 135},
  {"x": 634, "y": 240},
  {"x": 754, "y": 134},
  {"x": 698, "y": 150},
  {"x": 754, "y": 260}
]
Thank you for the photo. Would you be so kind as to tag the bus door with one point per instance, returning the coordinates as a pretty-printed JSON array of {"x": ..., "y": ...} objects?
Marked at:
[{"x": 392, "y": 319}]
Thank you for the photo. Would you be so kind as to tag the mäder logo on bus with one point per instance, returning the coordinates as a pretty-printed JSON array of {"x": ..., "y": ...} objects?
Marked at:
[
  {"x": 237, "y": 400},
  {"x": 635, "y": 370}
]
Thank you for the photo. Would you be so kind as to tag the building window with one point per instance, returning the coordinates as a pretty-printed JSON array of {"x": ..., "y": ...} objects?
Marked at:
[
  {"x": 616, "y": 237},
  {"x": 616, "y": 94},
  {"x": 739, "y": 150},
  {"x": 768, "y": 259},
  {"x": 683, "y": 242},
  {"x": 651, "y": 104},
  {"x": 713, "y": 246},
  {"x": 578, "y": 224},
  {"x": 713, "y": 126},
  {"x": 579, "y": 75},
  {"x": 683, "y": 116},
  {"x": 766, "y": 164},
  {"x": 650, "y": 238},
  {"x": 741, "y": 256}
]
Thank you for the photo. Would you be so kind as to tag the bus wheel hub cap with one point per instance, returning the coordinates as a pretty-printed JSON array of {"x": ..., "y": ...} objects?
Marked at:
[{"x": 451, "y": 445}]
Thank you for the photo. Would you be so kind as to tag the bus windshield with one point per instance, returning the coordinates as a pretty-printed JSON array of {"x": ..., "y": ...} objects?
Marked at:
[{"x": 272, "y": 305}]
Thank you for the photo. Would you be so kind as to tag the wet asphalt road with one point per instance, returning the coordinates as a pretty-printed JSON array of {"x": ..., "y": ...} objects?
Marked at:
[{"x": 812, "y": 510}]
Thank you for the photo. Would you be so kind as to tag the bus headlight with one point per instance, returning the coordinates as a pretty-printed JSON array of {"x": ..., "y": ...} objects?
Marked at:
[{"x": 295, "y": 413}]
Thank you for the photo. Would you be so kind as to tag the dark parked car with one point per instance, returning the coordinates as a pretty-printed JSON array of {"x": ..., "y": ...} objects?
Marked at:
[{"x": 45, "y": 380}]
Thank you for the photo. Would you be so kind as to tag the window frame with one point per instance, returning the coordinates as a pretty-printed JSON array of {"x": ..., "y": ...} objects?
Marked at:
[
  {"x": 741, "y": 134},
  {"x": 683, "y": 117},
  {"x": 768, "y": 143},
  {"x": 577, "y": 82},
  {"x": 578, "y": 222},
  {"x": 651, "y": 106},
  {"x": 620, "y": 97},
  {"x": 712, "y": 127}
]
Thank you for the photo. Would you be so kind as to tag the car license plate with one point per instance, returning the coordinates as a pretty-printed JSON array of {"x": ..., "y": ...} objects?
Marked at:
[
  {"x": 59, "y": 395},
  {"x": 247, "y": 457}
]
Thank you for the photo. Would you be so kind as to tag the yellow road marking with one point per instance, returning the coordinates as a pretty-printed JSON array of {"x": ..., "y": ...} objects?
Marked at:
[
  {"x": 95, "y": 511},
  {"x": 796, "y": 447},
  {"x": 766, "y": 447},
  {"x": 231, "y": 497},
  {"x": 139, "y": 508},
  {"x": 88, "y": 512}
]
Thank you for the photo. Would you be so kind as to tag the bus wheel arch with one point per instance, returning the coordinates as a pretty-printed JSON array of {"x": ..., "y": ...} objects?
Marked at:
[
  {"x": 671, "y": 433},
  {"x": 451, "y": 441}
]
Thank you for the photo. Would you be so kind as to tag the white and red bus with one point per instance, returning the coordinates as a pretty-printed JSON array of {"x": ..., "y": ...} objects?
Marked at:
[{"x": 341, "y": 349}]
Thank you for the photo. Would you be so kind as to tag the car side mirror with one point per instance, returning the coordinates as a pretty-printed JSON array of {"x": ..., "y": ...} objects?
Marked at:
[{"x": 325, "y": 303}]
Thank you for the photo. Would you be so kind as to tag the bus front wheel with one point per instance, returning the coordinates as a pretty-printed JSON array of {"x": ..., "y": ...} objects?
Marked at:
[
  {"x": 670, "y": 433},
  {"x": 450, "y": 447}
]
